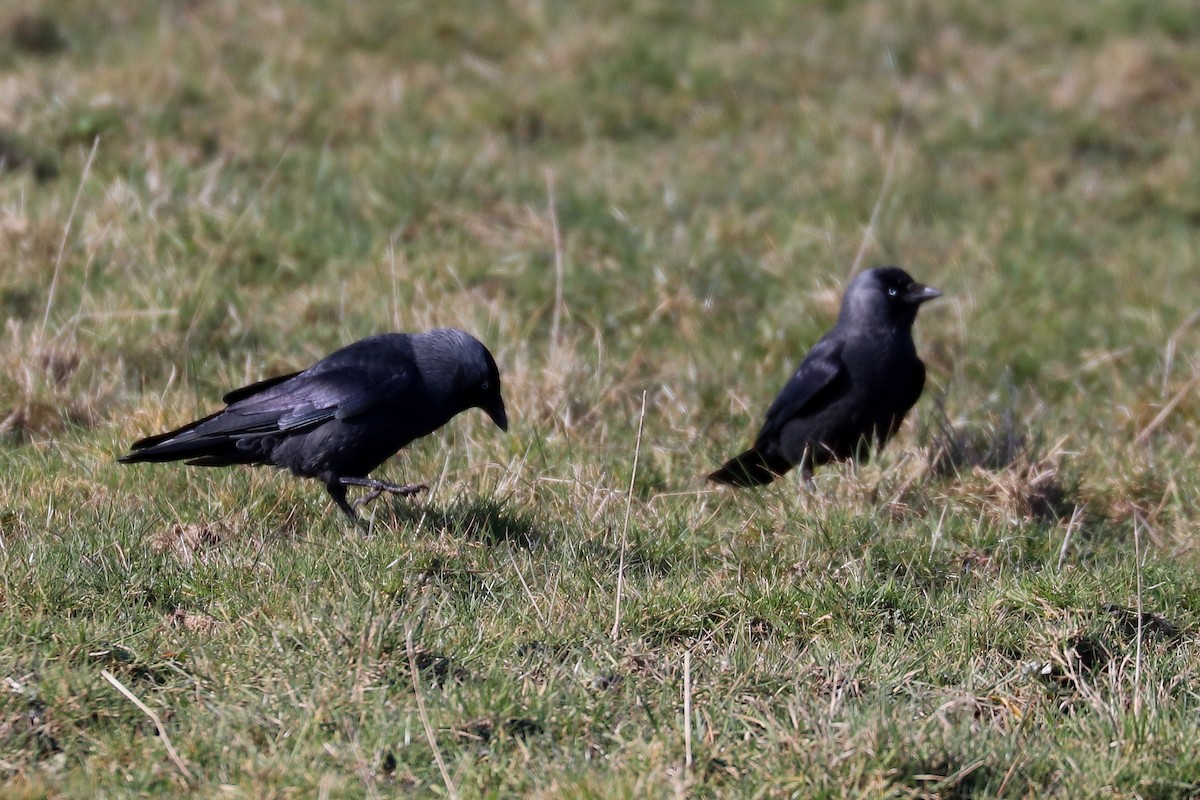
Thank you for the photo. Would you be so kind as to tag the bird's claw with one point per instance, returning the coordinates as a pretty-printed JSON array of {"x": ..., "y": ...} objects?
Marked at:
[
  {"x": 378, "y": 487},
  {"x": 366, "y": 498}
]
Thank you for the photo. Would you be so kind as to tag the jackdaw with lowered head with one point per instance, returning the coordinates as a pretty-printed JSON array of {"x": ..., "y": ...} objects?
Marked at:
[
  {"x": 345, "y": 415},
  {"x": 852, "y": 390}
]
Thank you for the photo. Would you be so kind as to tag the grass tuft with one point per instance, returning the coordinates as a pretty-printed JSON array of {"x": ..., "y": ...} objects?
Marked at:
[{"x": 648, "y": 211}]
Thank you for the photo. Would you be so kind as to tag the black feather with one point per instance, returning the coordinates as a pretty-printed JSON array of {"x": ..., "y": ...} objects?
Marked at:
[
  {"x": 852, "y": 390},
  {"x": 345, "y": 415}
]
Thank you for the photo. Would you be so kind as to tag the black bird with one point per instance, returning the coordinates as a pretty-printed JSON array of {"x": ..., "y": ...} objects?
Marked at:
[
  {"x": 345, "y": 415},
  {"x": 852, "y": 390}
]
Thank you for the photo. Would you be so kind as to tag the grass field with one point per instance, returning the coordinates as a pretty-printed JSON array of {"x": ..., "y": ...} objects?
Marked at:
[{"x": 630, "y": 202}]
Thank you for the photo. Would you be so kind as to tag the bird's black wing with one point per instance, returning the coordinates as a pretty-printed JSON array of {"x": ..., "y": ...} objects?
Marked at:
[
  {"x": 807, "y": 390},
  {"x": 288, "y": 404},
  {"x": 314, "y": 397},
  {"x": 256, "y": 388}
]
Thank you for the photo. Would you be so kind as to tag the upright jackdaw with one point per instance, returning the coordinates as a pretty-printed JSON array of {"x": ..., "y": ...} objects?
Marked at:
[
  {"x": 852, "y": 390},
  {"x": 345, "y": 415}
]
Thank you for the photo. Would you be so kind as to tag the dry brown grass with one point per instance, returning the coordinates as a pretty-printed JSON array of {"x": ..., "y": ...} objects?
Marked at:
[{"x": 271, "y": 182}]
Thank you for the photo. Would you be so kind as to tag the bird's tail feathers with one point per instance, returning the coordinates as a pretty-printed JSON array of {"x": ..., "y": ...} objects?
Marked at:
[
  {"x": 173, "y": 451},
  {"x": 751, "y": 468},
  {"x": 178, "y": 445}
]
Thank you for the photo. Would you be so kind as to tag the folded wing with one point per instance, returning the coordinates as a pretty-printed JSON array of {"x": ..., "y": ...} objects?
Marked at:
[
  {"x": 281, "y": 406},
  {"x": 808, "y": 390}
]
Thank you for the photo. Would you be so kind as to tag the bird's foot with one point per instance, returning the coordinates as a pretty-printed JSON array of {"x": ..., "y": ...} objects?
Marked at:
[
  {"x": 378, "y": 487},
  {"x": 806, "y": 473}
]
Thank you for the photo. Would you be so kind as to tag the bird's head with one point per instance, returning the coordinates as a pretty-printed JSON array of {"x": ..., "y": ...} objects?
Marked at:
[
  {"x": 885, "y": 296},
  {"x": 475, "y": 377},
  {"x": 488, "y": 393}
]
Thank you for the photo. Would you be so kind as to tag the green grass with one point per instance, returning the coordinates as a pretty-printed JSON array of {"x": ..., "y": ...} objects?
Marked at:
[{"x": 271, "y": 181}]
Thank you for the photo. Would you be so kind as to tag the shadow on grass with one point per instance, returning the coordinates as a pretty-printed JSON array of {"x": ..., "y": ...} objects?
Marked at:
[
  {"x": 946, "y": 776},
  {"x": 482, "y": 519},
  {"x": 439, "y": 669},
  {"x": 1024, "y": 474},
  {"x": 646, "y": 553}
]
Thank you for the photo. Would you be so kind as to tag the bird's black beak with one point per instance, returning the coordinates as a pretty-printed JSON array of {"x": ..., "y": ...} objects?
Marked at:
[
  {"x": 497, "y": 413},
  {"x": 917, "y": 293}
]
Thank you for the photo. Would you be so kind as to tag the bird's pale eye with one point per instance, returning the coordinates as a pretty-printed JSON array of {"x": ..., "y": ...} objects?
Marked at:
[
  {"x": 893, "y": 291},
  {"x": 484, "y": 386}
]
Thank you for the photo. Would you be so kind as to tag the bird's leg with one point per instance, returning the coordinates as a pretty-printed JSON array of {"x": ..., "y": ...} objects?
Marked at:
[
  {"x": 338, "y": 492},
  {"x": 377, "y": 488},
  {"x": 806, "y": 472},
  {"x": 806, "y": 468}
]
